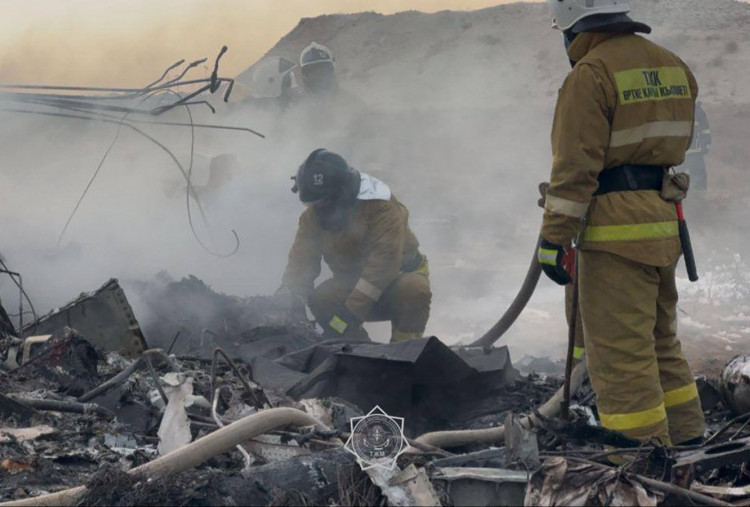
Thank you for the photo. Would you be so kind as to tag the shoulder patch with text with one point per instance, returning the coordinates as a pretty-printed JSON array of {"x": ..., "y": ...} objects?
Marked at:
[{"x": 645, "y": 85}]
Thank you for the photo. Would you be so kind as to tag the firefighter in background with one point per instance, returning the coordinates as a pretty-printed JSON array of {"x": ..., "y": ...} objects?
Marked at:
[
  {"x": 361, "y": 230},
  {"x": 624, "y": 115},
  {"x": 273, "y": 83},
  {"x": 318, "y": 70},
  {"x": 695, "y": 163},
  {"x": 317, "y": 67}
]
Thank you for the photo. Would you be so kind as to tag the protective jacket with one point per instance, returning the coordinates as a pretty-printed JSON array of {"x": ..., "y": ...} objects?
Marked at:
[
  {"x": 374, "y": 248},
  {"x": 626, "y": 101}
]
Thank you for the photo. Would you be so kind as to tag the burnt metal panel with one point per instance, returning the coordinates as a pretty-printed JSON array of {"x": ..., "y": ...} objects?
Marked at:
[{"x": 104, "y": 317}]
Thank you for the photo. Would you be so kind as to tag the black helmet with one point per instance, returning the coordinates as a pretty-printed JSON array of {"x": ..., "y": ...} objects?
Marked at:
[{"x": 326, "y": 178}]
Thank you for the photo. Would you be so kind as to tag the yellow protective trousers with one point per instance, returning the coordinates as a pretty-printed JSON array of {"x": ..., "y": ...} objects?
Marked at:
[
  {"x": 405, "y": 302},
  {"x": 644, "y": 386}
]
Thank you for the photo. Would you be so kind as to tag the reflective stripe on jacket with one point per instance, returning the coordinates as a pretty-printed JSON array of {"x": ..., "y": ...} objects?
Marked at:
[{"x": 626, "y": 101}]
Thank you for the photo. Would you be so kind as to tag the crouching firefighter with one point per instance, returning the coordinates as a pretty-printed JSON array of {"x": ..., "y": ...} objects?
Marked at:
[
  {"x": 624, "y": 116},
  {"x": 361, "y": 230}
]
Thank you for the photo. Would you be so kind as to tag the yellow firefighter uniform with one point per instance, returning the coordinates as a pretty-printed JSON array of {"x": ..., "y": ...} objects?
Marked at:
[
  {"x": 578, "y": 345},
  {"x": 378, "y": 271},
  {"x": 627, "y": 101}
]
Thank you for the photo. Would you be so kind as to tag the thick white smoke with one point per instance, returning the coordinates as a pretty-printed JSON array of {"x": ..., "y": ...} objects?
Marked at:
[{"x": 458, "y": 111}]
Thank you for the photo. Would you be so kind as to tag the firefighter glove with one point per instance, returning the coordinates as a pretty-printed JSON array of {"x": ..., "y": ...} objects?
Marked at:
[
  {"x": 341, "y": 322},
  {"x": 552, "y": 257}
]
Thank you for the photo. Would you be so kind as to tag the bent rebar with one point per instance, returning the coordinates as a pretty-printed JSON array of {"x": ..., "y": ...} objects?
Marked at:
[{"x": 257, "y": 402}]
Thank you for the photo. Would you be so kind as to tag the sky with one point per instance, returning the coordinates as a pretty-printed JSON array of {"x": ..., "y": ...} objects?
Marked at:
[{"x": 127, "y": 42}]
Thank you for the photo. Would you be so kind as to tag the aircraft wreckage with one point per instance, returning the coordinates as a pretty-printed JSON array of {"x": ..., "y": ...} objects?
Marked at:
[{"x": 244, "y": 405}]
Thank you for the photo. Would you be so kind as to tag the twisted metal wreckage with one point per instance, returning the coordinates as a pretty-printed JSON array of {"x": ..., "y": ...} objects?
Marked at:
[
  {"x": 80, "y": 407},
  {"x": 85, "y": 399},
  {"x": 100, "y": 104}
]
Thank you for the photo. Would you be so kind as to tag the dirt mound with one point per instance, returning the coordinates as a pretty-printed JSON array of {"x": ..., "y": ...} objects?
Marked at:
[{"x": 497, "y": 56}]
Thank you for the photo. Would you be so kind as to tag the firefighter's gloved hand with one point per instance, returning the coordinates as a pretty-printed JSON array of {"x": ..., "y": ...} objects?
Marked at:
[
  {"x": 552, "y": 258},
  {"x": 340, "y": 323}
]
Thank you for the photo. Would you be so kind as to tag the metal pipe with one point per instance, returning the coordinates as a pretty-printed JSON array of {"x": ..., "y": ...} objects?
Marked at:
[
  {"x": 65, "y": 406},
  {"x": 113, "y": 382},
  {"x": 122, "y": 376}
]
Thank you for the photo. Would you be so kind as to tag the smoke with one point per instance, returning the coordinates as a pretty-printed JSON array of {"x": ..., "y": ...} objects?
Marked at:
[{"x": 452, "y": 110}]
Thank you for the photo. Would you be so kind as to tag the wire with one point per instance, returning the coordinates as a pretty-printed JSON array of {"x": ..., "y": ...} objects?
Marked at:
[
  {"x": 156, "y": 87},
  {"x": 190, "y": 189},
  {"x": 91, "y": 181},
  {"x": 187, "y": 176},
  {"x": 104, "y": 116},
  {"x": 98, "y": 168},
  {"x": 166, "y": 71},
  {"x": 185, "y": 71},
  {"x": 25, "y": 295}
]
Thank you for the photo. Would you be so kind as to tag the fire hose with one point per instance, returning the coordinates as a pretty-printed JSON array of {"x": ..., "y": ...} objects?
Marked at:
[
  {"x": 516, "y": 307},
  {"x": 524, "y": 294},
  {"x": 185, "y": 458},
  {"x": 551, "y": 408},
  {"x": 535, "y": 271}
]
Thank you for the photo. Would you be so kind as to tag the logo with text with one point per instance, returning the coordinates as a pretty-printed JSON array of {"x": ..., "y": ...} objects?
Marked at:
[{"x": 376, "y": 439}]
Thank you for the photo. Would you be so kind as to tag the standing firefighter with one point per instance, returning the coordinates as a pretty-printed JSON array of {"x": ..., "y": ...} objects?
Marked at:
[
  {"x": 362, "y": 232},
  {"x": 624, "y": 116}
]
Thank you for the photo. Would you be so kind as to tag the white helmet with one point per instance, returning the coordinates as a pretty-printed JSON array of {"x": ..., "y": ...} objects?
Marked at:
[
  {"x": 569, "y": 12},
  {"x": 271, "y": 78},
  {"x": 315, "y": 53}
]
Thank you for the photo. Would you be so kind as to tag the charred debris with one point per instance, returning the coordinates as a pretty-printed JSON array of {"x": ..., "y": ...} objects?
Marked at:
[{"x": 240, "y": 404}]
